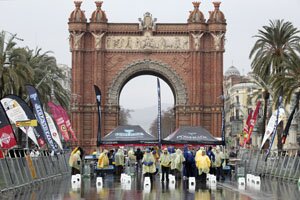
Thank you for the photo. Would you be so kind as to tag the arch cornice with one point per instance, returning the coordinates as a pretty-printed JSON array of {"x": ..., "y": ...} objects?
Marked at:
[{"x": 159, "y": 68}]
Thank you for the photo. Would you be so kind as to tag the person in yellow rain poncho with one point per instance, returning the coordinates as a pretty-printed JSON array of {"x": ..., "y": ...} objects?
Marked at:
[
  {"x": 148, "y": 164},
  {"x": 131, "y": 162},
  {"x": 203, "y": 164},
  {"x": 171, "y": 151},
  {"x": 219, "y": 163},
  {"x": 119, "y": 161},
  {"x": 165, "y": 163},
  {"x": 179, "y": 159},
  {"x": 75, "y": 160},
  {"x": 103, "y": 161}
]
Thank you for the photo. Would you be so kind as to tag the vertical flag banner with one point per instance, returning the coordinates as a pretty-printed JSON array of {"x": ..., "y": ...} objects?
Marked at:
[
  {"x": 22, "y": 111},
  {"x": 246, "y": 128},
  {"x": 98, "y": 99},
  {"x": 289, "y": 122},
  {"x": 223, "y": 120},
  {"x": 53, "y": 130},
  {"x": 40, "y": 115},
  {"x": 159, "y": 113},
  {"x": 15, "y": 113},
  {"x": 7, "y": 137},
  {"x": 60, "y": 122},
  {"x": 252, "y": 123},
  {"x": 272, "y": 124},
  {"x": 67, "y": 121},
  {"x": 279, "y": 118}
]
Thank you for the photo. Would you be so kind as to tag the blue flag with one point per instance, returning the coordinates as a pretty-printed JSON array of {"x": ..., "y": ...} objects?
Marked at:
[{"x": 40, "y": 115}]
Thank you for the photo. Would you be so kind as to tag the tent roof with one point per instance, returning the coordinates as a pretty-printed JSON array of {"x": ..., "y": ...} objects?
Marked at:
[
  {"x": 191, "y": 135},
  {"x": 129, "y": 134}
]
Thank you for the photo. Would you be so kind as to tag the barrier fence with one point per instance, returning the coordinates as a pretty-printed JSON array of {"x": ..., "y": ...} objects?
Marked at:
[
  {"x": 23, "y": 167},
  {"x": 283, "y": 164}
]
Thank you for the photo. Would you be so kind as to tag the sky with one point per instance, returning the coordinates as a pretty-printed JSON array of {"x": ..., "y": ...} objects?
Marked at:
[{"x": 44, "y": 24}]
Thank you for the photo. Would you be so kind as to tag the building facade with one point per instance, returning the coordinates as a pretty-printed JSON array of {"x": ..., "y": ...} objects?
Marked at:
[{"x": 187, "y": 56}]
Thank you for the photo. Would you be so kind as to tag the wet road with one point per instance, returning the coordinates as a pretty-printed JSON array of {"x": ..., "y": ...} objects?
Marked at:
[{"x": 60, "y": 188}]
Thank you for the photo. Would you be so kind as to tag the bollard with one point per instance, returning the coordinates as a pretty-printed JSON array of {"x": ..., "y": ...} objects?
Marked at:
[
  {"x": 241, "y": 183},
  {"x": 213, "y": 181},
  {"x": 208, "y": 178},
  {"x": 192, "y": 183},
  {"x": 99, "y": 182},
  {"x": 147, "y": 183},
  {"x": 252, "y": 181},
  {"x": 76, "y": 181},
  {"x": 127, "y": 180},
  {"x": 160, "y": 176},
  {"x": 122, "y": 179},
  {"x": 257, "y": 182},
  {"x": 248, "y": 177},
  {"x": 172, "y": 181}
]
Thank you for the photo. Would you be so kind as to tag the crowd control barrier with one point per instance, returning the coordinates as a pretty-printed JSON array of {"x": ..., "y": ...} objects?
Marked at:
[
  {"x": 283, "y": 164},
  {"x": 19, "y": 167}
]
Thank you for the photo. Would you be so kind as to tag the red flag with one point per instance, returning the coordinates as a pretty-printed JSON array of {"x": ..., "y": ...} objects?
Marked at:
[
  {"x": 59, "y": 120},
  {"x": 67, "y": 121},
  {"x": 7, "y": 137},
  {"x": 252, "y": 123},
  {"x": 246, "y": 128}
]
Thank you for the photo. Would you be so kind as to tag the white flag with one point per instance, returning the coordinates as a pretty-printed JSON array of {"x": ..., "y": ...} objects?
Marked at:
[
  {"x": 53, "y": 130},
  {"x": 272, "y": 124}
]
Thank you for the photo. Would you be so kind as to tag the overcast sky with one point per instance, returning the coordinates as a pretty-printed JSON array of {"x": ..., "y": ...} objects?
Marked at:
[{"x": 43, "y": 24}]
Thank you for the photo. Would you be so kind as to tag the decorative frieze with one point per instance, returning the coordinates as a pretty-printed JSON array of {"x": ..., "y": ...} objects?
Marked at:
[{"x": 147, "y": 41}]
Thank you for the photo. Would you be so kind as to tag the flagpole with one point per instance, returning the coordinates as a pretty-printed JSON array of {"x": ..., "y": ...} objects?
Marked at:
[{"x": 159, "y": 114}]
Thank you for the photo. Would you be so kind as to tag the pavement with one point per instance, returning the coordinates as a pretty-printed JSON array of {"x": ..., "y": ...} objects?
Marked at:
[{"x": 60, "y": 188}]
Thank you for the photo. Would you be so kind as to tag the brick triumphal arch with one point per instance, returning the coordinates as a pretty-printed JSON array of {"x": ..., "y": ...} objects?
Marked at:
[{"x": 188, "y": 56}]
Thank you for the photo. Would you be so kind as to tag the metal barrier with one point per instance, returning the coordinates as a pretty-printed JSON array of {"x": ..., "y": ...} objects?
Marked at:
[
  {"x": 21, "y": 167},
  {"x": 283, "y": 164}
]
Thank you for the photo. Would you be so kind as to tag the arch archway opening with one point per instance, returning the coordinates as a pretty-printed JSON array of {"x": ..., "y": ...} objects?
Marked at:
[{"x": 138, "y": 103}]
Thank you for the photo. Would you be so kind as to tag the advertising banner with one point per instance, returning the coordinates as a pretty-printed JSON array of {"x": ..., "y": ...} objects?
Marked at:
[{"x": 40, "y": 115}]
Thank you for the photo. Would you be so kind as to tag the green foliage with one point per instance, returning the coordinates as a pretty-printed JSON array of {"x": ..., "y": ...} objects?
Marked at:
[{"x": 21, "y": 66}]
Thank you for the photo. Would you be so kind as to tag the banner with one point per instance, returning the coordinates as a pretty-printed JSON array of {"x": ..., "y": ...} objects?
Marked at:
[
  {"x": 272, "y": 124},
  {"x": 223, "y": 120},
  {"x": 252, "y": 123},
  {"x": 279, "y": 118},
  {"x": 289, "y": 122},
  {"x": 7, "y": 137},
  {"x": 98, "y": 99},
  {"x": 246, "y": 129},
  {"x": 16, "y": 113},
  {"x": 28, "y": 115},
  {"x": 40, "y": 115},
  {"x": 159, "y": 113},
  {"x": 60, "y": 122},
  {"x": 53, "y": 130},
  {"x": 67, "y": 121}
]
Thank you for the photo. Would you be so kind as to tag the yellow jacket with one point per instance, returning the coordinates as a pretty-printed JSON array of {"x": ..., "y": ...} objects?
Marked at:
[
  {"x": 202, "y": 162},
  {"x": 103, "y": 160},
  {"x": 148, "y": 163},
  {"x": 165, "y": 160},
  {"x": 74, "y": 158}
]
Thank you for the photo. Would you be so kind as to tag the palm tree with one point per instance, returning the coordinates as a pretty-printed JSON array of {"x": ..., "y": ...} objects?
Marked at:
[
  {"x": 269, "y": 52},
  {"x": 46, "y": 77},
  {"x": 289, "y": 79}
]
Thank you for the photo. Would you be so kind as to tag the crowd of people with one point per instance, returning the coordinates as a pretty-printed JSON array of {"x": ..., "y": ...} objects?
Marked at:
[{"x": 182, "y": 163}]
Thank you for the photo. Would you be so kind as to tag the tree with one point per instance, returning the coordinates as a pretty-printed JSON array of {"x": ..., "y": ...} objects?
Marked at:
[
  {"x": 124, "y": 115},
  {"x": 271, "y": 50},
  {"x": 12, "y": 68},
  {"x": 167, "y": 123}
]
